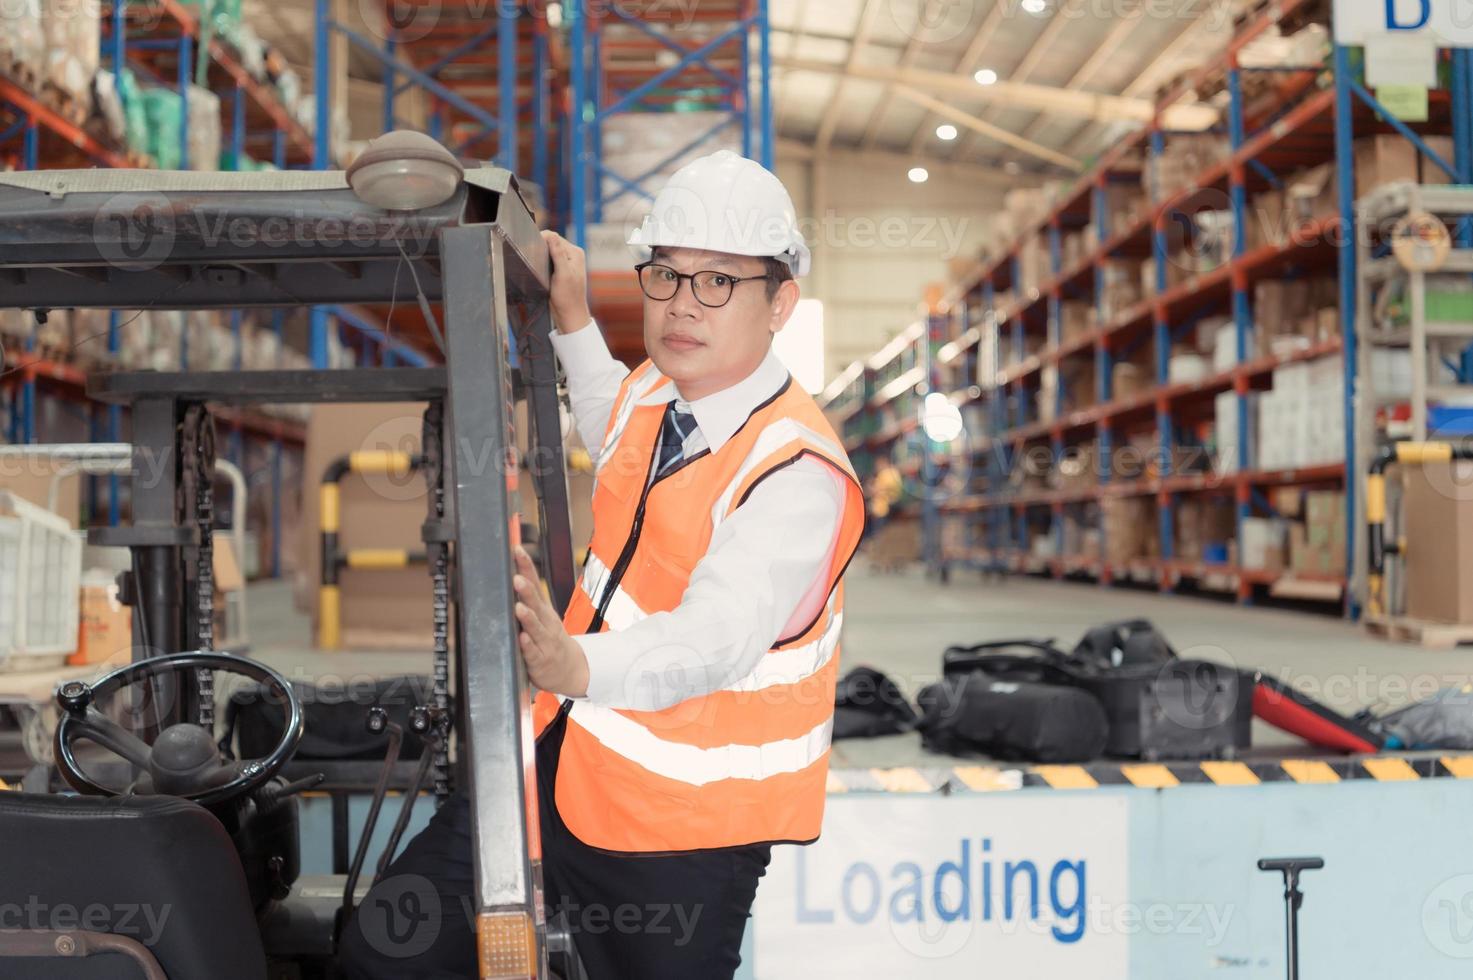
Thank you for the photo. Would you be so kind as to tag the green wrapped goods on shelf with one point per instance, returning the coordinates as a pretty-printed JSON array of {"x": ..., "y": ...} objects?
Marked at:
[
  {"x": 220, "y": 15},
  {"x": 137, "y": 134},
  {"x": 164, "y": 108},
  {"x": 247, "y": 163}
]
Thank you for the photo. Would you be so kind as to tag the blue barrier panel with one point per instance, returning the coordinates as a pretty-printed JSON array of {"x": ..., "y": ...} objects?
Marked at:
[{"x": 1123, "y": 882}]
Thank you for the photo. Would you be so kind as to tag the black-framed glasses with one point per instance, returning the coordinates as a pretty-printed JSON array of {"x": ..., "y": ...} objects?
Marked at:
[{"x": 711, "y": 289}]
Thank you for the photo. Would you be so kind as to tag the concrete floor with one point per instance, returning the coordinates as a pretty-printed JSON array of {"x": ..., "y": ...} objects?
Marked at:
[{"x": 901, "y": 623}]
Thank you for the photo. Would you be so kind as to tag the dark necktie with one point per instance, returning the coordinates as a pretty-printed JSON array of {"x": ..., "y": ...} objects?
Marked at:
[{"x": 676, "y": 428}]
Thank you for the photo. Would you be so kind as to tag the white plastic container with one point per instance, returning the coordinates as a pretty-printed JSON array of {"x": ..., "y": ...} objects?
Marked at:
[{"x": 40, "y": 586}]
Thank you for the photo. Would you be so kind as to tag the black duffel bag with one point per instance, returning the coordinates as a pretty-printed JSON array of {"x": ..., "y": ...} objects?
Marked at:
[
  {"x": 974, "y": 714},
  {"x": 336, "y": 718},
  {"x": 1128, "y": 643},
  {"x": 1013, "y": 700},
  {"x": 868, "y": 704},
  {"x": 1176, "y": 709}
]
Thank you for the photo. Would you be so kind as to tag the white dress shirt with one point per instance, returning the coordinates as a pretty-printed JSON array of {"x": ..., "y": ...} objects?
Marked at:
[{"x": 764, "y": 574}]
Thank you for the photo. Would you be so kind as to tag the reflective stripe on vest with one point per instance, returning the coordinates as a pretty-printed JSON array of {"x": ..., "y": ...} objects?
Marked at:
[
  {"x": 635, "y": 388},
  {"x": 623, "y": 611},
  {"x": 746, "y": 762},
  {"x": 696, "y": 766}
]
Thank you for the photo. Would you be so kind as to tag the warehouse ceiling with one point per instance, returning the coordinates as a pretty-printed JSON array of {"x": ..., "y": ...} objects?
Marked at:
[
  {"x": 885, "y": 74},
  {"x": 882, "y": 75}
]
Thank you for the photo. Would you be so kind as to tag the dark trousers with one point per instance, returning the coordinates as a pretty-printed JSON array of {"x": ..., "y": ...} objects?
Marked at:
[{"x": 642, "y": 918}]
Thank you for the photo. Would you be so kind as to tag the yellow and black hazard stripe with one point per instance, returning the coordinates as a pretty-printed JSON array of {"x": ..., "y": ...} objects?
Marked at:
[
  {"x": 987, "y": 778},
  {"x": 329, "y": 599}
]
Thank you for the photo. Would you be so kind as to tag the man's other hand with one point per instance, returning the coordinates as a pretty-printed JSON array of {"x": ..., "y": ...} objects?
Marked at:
[
  {"x": 569, "y": 284},
  {"x": 555, "y": 661}
]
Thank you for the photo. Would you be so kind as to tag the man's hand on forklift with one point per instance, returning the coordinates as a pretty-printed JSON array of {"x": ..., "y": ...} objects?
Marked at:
[
  {"x": 555, "y": 661},
  {"x": 569, "y": 284}
]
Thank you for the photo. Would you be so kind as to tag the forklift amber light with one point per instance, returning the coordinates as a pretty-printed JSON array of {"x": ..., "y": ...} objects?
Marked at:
[{"x": 405, "y": 171}]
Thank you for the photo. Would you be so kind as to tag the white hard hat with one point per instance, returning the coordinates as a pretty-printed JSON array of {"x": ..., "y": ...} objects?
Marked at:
[{"x": 725, "y": 203}]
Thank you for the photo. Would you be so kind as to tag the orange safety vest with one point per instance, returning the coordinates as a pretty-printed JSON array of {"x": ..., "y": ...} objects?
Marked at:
[{"x": 747, "y": 763}]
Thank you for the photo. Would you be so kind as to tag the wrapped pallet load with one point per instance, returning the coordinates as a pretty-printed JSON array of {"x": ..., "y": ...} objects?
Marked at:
[
  {"x": 73, "y": 45},
  {"x": 22, "y": 39},
  {"x": 110, "y": 105},
  {"x": 137, "y": 134},
  {"x": 204, "y": 129},
  {"x": 163, "y": 108}
]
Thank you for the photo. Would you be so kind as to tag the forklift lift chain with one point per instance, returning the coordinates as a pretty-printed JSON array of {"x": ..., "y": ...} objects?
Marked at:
[
  {"x": 198, "y": 466},
  {"x": 431, "y": 446}
]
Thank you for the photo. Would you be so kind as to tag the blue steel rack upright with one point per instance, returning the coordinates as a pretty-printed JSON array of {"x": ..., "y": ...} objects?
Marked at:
[
  {"x": 1311, "y": 116},
  {"x": 715, "y": 72}
]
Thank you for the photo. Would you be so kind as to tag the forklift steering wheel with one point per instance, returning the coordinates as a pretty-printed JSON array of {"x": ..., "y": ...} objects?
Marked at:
[{"x": 184, "y": 760}]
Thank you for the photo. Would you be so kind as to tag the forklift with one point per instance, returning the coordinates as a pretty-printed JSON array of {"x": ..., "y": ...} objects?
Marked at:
[{"x": 188, "y": 831}]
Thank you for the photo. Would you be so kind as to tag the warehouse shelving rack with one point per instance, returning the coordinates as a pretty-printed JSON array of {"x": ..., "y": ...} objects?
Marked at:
[
  {"x": 713, "y": 56},
  {"x": 485, "y": 69},
  {"x": 1313, "y": 118},
  {"x": 161, "y": 42}
]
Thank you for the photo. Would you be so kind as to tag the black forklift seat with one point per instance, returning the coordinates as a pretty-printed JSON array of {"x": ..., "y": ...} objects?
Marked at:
[{"x": 153, "y": 869}]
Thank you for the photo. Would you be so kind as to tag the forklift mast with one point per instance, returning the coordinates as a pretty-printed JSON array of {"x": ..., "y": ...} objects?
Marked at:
[{"x": 161, "y": 240}]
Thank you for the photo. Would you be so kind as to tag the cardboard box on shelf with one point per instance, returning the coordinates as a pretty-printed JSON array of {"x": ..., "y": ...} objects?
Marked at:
[
  {"x": 1266, "y": 224},
  {"x": 105, "y": 625},
  {"x": 1444, "y": 147},
  {"x": 30, "y": 478},
  {"x": 1122, "y": 287},
  {"x": 1185, "y": 159},
  {"x": 1261, "y": 544},
  {"x": 1034, "y": 265},
  {"x": 1075, "y": 320},
  {"x": 1288, "y": 502},
  {"x": 1312, "y": 194},
  {"x": 1129, "y": 380},
  {"x": 1126, "y": 205},
  {"x": 1292, "y": 315},
  {"x": 1438, "y": 513},
  {"x": 1201, "y": 522},
  {"x": 1074, "y": 249},
  {"x": 1130, "y": 528},
  {"x": 1381, "y": 160},
  {"x": 1186, "y": 368},
  {"x": 1225, "y": 432},
  {"x": 1136, "y": 458},
  {"x": 1077, "y": 469},
  {"x": 1225, "y": 347}
]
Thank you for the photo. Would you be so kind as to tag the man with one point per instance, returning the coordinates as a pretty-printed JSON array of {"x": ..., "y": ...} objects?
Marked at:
[{"x": 686, "y": 697}]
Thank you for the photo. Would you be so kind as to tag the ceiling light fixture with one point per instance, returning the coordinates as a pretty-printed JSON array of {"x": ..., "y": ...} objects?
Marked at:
[
  {"x": 919, "y": 175},
  {"x": 986, "y": 76},
  {"x": 1035, "y": 6},
  {"x": 946, "y": 132}
]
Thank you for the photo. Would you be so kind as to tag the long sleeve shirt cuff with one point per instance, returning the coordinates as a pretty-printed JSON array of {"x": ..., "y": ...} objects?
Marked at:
[{"x": 584, "y": 353}]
